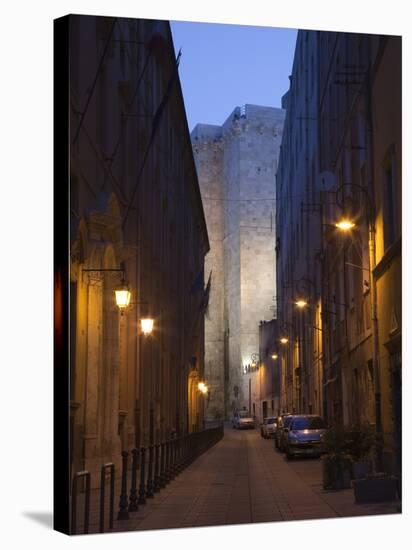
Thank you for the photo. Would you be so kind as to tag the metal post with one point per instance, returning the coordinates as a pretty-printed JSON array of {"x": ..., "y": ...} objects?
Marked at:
[
  {"x": 133, "y": 498},
  {"x": 142, "y": 491},
  {"x": 149, "y": 486},
  {"x": 157, "y": 484},
  {"x": 109, "y": 466},
  {"x": 162, "y": 465},
  {"x": 77, "y": 476},
  {"x": 123, "y": 513}
]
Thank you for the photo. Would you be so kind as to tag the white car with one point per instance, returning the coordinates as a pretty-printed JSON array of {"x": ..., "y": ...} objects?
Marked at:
[
  {"x": 268, "y": 427},
  {"x": 242, "y": 420}
]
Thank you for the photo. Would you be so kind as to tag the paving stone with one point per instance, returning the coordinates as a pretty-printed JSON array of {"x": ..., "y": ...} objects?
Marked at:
[{"x": 258, "y": 486}]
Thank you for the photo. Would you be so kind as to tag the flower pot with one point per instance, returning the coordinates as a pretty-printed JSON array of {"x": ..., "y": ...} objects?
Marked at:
[
  {"x": 375, "y": 489},
  {"x": 361, "y": 469},
  {"x": 336, "y": 472}
]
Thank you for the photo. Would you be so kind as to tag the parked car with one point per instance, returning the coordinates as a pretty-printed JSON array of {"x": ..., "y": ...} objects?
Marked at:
[
  {"x": 284, "y": 431},
  {"x": 268, "y": 427},
  {"x": 303, "y": 436},
  {"x": 242, "y": 420},
  {"x": 279, "y": 429}
]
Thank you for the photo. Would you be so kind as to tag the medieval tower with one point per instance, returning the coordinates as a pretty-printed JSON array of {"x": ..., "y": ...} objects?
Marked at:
[{"x": 236, "y": 165}]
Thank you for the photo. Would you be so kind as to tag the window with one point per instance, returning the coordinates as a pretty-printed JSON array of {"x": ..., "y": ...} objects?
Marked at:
[{"x": 308, "y": 423}]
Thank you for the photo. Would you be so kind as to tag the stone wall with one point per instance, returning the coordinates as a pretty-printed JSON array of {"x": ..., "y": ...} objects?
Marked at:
[{"x": 236, "y": 165}]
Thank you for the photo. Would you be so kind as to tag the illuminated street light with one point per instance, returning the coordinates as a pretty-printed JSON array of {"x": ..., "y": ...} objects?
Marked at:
[
  {"x": 345, "y": 224},
  {"x": 301, "y": 303},
  {"x": 284, "y": 340},
  {"x": 202, "y": 388},
  {"x": 274, "y": 356},
  {"x": 122, "y": 295},
  {"x": 147, "y": 325}
]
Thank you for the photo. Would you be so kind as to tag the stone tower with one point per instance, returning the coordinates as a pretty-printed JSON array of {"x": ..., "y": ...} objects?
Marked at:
[{"x": 236, "y": 165}]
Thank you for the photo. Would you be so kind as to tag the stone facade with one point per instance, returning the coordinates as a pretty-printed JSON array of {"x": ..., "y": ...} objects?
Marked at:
[
  {"x": 135, "y": 205},
  {"x": 236, "y": 165},
  {"x": 343, "y": 357}
]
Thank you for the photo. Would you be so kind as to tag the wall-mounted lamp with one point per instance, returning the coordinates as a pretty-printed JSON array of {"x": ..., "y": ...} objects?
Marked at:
[
  {"x": 147, "y": 325},
  {"x": 202, "y": 388},
  {"x": 345, "y": 224},
  {"x": 123, "y": 295}
]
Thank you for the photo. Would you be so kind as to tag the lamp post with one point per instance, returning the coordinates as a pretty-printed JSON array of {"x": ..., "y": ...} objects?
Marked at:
[{"x": 346, "y": 224}]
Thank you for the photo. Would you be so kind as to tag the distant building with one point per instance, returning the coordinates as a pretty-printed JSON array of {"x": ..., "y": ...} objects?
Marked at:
[
  {"x": 135, "y": 206},
  {"x": 236, "y": 165},
  {"x": 267, "y": 381}
]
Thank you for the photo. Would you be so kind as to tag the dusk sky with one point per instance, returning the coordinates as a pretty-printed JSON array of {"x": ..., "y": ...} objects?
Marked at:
[{"x": 225, "y": 66}]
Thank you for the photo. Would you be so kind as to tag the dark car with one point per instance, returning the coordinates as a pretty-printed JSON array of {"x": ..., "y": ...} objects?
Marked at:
[
  {"x": 304, "y": 435},
  {"x": 283, "y": 423}
]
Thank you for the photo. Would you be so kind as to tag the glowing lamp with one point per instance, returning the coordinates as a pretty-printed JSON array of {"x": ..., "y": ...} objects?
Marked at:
[
  {"x": 202, "y": 387},
  {"x": 284, "y": 340},
  {"x": 122, "y": 295},
  {"x": 345, "y": 225},
  {"x": 147, "y": 325},
  {"x": 301, "y": 303},
  {"x": 274, "y": 356}
]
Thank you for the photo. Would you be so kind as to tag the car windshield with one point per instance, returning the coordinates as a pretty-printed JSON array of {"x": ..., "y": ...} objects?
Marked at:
[
  {"x": 308, "y": 423},
  {"x": 271, "y": 420},
  {"x": 244, "y": 414},
  {"x": 287, "y": 420}
]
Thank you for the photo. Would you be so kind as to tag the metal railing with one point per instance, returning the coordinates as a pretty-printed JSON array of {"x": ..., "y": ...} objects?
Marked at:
[{"x": 151, "y": 469}]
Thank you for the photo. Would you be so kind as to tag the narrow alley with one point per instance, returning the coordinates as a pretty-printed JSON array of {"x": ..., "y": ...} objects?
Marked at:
[{"x": 242, "y": 479}]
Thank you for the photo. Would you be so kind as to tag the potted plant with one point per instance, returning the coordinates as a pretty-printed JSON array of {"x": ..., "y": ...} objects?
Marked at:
[
  {"x": 360, "y": 444},
  {"x": 375, "y": 486},
  {"x": 336, "y": 463}
]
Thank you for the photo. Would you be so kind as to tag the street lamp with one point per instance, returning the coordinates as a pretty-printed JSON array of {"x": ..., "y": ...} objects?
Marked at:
[
  {"x": 274, "y": 355},
  {"x": 345, "y": 224},
  {"x": 147, "y": 325},
  {"x": 284, "y": 340},
  {"x": 202, "y": 388},
  {"x": 123, "y": 295},
  {"x": 301, "y": 303}
]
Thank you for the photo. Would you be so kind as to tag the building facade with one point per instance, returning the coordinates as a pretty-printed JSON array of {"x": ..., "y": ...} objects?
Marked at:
[
  {"x": 136, "y": 215},
  {"x": 236, "y": 164},
  {"x": 350, "y": 292},
  {"x": 298, "y": 228}
]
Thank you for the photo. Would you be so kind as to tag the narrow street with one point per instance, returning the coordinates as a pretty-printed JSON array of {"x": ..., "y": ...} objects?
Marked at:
[{"x": 242, "y": 479}]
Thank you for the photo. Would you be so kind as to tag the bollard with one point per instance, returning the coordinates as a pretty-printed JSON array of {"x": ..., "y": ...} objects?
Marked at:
[
  {"x": 178, "y": 454},
  {"x": 149, "y": 486},
  {"x": 77, "y": 476},
  {"x": 167, "y": 462},
  {"x": 157, "y": 484},
  {"x": 162, "y": 465},
  {"x": 109, "y": 466},
  {"x": 142, "y": 491},
  {"x": 133, "y": 498},
  {"x": 123, "y": 513},
  {"x": 172, "y": 474}
]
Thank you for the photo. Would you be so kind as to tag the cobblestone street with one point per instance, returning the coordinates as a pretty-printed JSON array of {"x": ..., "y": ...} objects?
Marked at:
[{"x": 242, "y": 479}]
